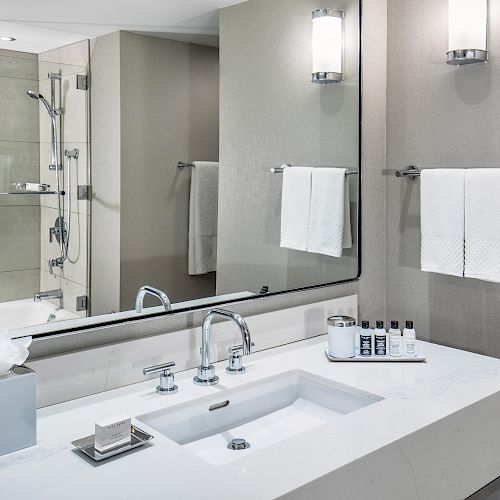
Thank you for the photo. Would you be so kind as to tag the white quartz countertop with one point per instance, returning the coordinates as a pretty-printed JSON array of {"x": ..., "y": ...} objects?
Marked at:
[{"x": 419, "y": 398}]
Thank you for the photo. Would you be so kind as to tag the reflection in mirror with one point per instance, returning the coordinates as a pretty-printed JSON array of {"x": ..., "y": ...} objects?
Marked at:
[{"x": 189, "y": 161}]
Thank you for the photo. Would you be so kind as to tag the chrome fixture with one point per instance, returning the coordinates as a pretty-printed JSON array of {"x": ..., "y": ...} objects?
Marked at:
[
  {"x": 181, "y": 164},
  {"x": 167, "y": 378},
  {"x": 49, "y": 294},
  {"x": 327, "y": 46},
  {"x": 206, "y": 371},
  {"x": 467, "y": 32},
  {"x": 61, "y": 222},
  {"x": 51, "y": 318},
  {"x": 72, "y": 153},
  {"x": 280, "y": 170},
  {"x": 410, "y": 172},
  {"x": 143, "y": 291},
  {"x": 238, "y": 444},
  {"x": 235, "y": 360},
  {"x": 6, "y": 38}
]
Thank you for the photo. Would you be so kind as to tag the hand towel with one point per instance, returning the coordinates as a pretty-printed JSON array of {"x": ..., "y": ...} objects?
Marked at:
[
  {"x": 442, "y": 220},
  {"x": 329, "y": 216},
  {"x": 203, "y": 202},
  {"x": 295, "y": 203},
  {"x": 482, "y": 224}
]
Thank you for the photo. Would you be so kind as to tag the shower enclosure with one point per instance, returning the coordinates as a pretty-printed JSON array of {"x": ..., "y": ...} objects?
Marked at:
[{"x": 45, "y": 207}]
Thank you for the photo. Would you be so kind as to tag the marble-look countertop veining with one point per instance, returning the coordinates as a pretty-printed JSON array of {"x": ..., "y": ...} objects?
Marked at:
[{"x": 433, "y": 436}]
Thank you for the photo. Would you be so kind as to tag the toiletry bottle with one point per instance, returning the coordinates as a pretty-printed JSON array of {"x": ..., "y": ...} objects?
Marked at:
[
  {"x": 380, "y": 339},
  {"x": 409, "y": 337},
  {"x": 365, "y": 339},
  {"x": 395, "y": 340}
]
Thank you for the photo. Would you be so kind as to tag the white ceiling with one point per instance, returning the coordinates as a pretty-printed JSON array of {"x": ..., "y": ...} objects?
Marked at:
[{"x": 39, "y": 27}]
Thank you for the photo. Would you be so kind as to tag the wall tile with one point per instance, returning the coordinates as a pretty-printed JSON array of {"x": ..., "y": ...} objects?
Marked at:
[
  {"x": 18, "y": 67},
  {"x": 16, "y": 285},
  {"x": 19, "y": 162},
  {"x": 19, "y": 116},
  {"x": 20, "y": 230}
]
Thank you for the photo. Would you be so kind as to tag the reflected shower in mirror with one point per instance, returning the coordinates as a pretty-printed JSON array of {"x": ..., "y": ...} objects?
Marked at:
[{"x": 148, "y": 171}]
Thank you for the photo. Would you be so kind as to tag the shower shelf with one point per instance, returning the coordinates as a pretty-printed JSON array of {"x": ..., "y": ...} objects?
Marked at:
[{"x": 32, "y": 192}]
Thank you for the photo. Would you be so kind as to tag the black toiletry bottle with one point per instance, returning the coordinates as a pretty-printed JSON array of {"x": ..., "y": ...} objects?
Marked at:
[
  {"x": 365, "y": 339},
  {"x": 380, "y": 339}
]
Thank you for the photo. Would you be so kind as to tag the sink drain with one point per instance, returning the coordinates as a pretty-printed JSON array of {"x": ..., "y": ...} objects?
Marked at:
[{"x": 238, "y": 444}]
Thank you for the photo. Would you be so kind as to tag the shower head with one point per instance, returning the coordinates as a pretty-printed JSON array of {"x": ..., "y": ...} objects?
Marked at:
[{"x": 35, "y": 95}]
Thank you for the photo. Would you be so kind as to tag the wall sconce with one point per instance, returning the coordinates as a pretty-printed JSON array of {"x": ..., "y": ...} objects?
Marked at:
[
  {"x": 327, "y": 45},
  {"x": 467, "y": 20}
]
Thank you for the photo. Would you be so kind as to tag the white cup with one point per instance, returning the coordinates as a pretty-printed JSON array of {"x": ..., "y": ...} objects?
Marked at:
[{"x": 341, "y": 336}]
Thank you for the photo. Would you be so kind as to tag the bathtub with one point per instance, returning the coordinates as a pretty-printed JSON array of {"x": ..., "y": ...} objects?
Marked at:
[{"x": 26, "y": 312}]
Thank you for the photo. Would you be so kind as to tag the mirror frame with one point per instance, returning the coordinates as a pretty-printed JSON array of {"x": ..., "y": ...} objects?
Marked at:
[{"x": 111, "y": 322}]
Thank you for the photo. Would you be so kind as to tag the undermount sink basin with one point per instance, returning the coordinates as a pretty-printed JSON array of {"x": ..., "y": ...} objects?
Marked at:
[{"x": 261, "y": 413}]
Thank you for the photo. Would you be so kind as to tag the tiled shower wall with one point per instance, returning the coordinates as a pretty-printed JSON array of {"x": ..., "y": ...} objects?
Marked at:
[
  {"x": 73, "y": 132},
  {"x": 19, "y": 162}
]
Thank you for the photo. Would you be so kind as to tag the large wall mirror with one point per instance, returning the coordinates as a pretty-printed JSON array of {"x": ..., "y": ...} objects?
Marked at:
[{"x": 186, "y": 149}]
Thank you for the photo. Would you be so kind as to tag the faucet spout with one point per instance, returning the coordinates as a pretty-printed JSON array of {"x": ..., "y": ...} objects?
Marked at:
[
  {"x": 49, "y": 294},
  {"x": 206, "y": 371},
  {"x": 145, "y": 290}
]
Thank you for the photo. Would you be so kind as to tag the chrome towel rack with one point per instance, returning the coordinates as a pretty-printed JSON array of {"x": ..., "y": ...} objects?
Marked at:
[
  {"x": 279, "y": 170},
  {"x": 412, "y": 172},
  {"x": 181, "y": 164}
]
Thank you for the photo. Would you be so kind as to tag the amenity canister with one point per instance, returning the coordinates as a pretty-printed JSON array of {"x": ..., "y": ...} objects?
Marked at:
[
  {"x": 17, "y": 409},
  {"x": 341, "y": 336}
]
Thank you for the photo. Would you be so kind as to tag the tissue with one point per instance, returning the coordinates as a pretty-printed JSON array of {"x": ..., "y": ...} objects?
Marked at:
[{"x": 12, "y": 351}]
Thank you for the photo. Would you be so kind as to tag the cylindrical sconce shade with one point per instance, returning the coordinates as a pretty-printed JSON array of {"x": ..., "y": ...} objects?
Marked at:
[
  {"x": 327, "y": 45},
  {"x": 467, "y": 20}
]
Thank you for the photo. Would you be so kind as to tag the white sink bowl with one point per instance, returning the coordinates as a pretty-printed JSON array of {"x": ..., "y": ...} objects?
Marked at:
[{"x": 262, "y": 413}]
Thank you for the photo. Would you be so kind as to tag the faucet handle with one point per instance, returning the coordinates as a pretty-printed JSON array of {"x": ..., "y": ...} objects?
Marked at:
[
  {"x": 237, "y": 348},
  {"x": 235, "y": 360},
  {"x": 167, "y": 378}
]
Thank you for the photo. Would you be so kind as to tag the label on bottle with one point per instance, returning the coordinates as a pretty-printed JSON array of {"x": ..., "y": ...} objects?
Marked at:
[
  {"x": 380, "y": 345},
  {"x": 395, "y": 344},
  {"x": 410, "y": 349},
  {"x": 365, "y": 345}
]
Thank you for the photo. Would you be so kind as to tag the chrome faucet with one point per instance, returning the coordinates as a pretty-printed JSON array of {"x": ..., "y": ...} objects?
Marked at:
[
  {"x": 206, "y": 371},
  {"x": 143, "y": 291},
  {"x": 49, "y": 294}
]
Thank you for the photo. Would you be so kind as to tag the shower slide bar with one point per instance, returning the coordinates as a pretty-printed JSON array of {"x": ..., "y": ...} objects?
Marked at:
[{"x": 279, "y": 170}]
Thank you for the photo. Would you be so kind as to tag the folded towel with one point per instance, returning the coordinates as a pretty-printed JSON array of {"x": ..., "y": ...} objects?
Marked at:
[
  {"x": 329, "y": 215},
  {"x": 482, "y": 224},
  {"x": 203, "y": 203},
  {"x": 442, "y": 221},
  {"x": 295, "y": 202}
]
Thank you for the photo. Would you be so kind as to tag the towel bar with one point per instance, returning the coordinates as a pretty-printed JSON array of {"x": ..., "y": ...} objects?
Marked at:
[
  {"x": 181, "y": 164},
  {"x": 279, "y": 170},
  {"x": 411, "y": 172}
]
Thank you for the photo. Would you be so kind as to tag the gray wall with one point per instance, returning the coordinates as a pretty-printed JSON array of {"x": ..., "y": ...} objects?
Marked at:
[
  {"x": 154, "y": 102},
  {"x": 106, "y": 181},
  {"x": 19, "y": 162},
  {"x": 169, "y": 112},
  {"x": 438, "y": 116},
  {"x": 272, "y": 114}
]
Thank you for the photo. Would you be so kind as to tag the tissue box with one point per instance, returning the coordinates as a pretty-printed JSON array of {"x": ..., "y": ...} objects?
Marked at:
[{"x": 17, "y": 409}]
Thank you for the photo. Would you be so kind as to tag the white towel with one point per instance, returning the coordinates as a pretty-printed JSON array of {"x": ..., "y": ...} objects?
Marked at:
[
  {"x": 442, "y": 220},
  {"x": 482, "y": 224},
  {"x": 295, "y": 203},
  {"x": 203, "y": 203},
  {"x": 329, "y": 215}
]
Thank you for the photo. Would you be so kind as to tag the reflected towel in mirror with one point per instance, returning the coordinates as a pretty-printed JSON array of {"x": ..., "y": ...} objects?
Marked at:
[{"x": 203, "y": 217}]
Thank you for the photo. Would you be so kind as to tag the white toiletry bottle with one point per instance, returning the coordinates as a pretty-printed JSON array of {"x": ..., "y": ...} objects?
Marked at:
[
  {"x": 365, "y": 339},
  {"x": 395, "y": 340},
  {"x": 409, "y": 337},
  {"x": 380, "y": 340}
]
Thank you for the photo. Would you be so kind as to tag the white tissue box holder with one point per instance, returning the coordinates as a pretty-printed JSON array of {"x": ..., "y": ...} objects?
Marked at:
[{"x": 17, "y": 409}]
